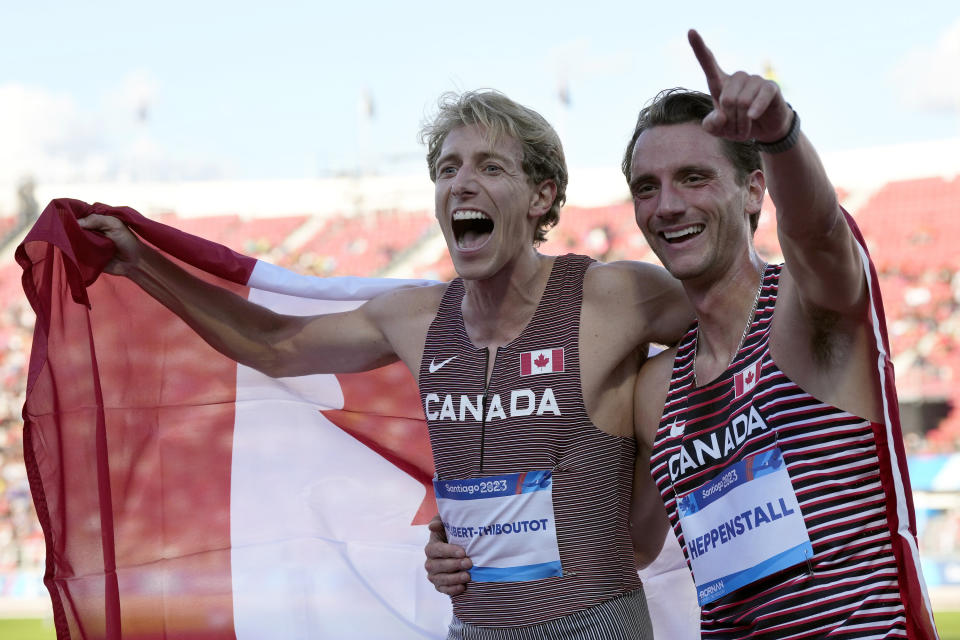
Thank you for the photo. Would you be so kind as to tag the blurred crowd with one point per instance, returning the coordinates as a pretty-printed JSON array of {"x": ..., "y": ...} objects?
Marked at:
[{"x": 21, "y": 540}]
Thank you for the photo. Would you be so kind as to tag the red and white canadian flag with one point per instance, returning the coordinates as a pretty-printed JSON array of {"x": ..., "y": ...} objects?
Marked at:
[
  {"x": 541, "y": 361},
  {"x": 746, "y": 379},
  {"x": 183, "y": 495}
]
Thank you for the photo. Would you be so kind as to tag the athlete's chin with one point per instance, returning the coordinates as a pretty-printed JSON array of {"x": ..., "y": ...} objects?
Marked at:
[
  {"x": 683, "y": 269},
  {"x": 474, "y": 269},
  {"x": 476, "y": 265}
]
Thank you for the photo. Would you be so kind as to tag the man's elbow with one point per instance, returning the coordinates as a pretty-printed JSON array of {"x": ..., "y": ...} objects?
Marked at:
[
  {"x": 272, "y": 361},
  {"x": 646, "y": 553},
  {"x": 648, "y": 534}
]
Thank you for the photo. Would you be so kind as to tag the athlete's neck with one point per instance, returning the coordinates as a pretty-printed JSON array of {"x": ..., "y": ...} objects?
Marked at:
[
  {"x": 497, "y": 309},
  {"x": 724, "y": 308}
]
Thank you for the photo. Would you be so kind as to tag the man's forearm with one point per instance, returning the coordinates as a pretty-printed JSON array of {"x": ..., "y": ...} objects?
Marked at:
[
  {"x": 234, "y": 326},
  {"x": 805, "y": 199}
]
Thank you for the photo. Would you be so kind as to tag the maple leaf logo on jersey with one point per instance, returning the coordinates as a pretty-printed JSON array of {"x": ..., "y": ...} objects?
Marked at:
[
  {"x": 677, "y": 428},
  {"x": 746, "y": 379},
  {"x": 541, "y": 361}
]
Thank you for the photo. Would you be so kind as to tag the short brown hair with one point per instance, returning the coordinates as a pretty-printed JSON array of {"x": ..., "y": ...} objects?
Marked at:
[
  {"x": 543, "y": 157},
  {"x": 679, "y": 105}
]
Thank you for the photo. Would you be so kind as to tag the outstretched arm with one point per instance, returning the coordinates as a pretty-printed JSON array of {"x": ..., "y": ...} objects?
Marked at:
[
  {"x": 276, "y": 344},
  {"x": 818, "y": 247}
]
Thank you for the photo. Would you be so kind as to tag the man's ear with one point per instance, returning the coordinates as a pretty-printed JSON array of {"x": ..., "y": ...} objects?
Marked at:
[
  {"x": 543, "y": 198},
  {"x": 756, "y": 187}
]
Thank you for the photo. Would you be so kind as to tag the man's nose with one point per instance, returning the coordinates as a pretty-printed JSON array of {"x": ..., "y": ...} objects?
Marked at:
[
  {"x": 670, "y": 202},
  {"x": 464, "y": 183}
]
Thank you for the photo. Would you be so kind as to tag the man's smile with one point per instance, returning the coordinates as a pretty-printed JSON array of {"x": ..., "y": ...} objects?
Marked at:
[
  {"x": 471, "y": 228},
  {"x": 679, "y": 235}
]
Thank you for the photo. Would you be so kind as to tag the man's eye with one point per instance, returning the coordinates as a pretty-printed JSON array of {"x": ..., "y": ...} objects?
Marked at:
[
  {"x": 492, "y": 168},
  {"x": 693, "y": 178},
  {"x": 643, "y": 191},
  {"x": 447, "y": 171}
]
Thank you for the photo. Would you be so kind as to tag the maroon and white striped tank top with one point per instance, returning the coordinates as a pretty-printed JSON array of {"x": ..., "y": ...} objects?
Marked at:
[
  {"x": 533, "y": 417},
  {"x": 839, "y": 469}
]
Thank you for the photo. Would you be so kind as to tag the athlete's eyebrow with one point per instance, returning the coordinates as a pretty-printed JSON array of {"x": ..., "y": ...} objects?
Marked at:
[
  {"x": 636, "y": 181},
  {"x": 684, "y": 170},
  {"x": 450, "y": 155},
  {"x": 704, "y": 169},
  {"x": 493, "y": 155},
  {"x": 479, "y": 156}
]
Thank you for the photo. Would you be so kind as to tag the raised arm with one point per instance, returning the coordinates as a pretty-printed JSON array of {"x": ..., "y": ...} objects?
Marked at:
[
  {"x": 819, "y": 250},
  {"x": 276, "y": 344}
]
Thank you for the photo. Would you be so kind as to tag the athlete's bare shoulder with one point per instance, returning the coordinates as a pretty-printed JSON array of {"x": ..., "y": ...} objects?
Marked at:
[
  {"x": 404, "y": 316},
  {"x": 413, "y": 299},
  {"x": 634, "y": 276},
  {"x": 642, "y": 297}
]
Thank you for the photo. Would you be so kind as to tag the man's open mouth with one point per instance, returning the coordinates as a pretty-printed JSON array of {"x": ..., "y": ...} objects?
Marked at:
[
  {"x": 680, "y": 235},
  {"x": 471, "y": 228}
]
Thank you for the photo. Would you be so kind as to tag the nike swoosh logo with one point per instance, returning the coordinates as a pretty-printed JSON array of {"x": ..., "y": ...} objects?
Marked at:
[
  {"x": 677, "y": 430},
  {"x": 434, "y": 366}
]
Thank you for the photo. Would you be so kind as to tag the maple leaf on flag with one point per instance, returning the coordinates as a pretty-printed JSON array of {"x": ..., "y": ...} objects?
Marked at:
[
  {"x": 749, "y": 377},
  {"x": 541, "y": 361},
  {"x": 381, "y": 409}
]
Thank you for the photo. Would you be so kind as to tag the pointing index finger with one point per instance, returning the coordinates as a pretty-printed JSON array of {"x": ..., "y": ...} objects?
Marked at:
[{"x": 715, "y": 75}]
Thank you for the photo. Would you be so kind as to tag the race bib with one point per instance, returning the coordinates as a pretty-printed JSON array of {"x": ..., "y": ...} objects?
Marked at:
[
  {"x": 505, "y": 524},
  {"x": 743, "y": 525}
]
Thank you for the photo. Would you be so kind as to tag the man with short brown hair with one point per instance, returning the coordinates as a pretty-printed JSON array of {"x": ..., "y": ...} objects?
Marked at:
[{"x": 771, "y": 426}]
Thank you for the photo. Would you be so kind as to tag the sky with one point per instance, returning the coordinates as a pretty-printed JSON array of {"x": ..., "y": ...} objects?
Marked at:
[{"x": 110, "y": 90}]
